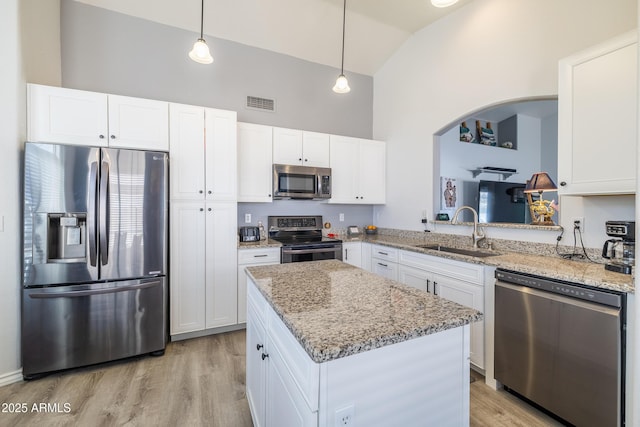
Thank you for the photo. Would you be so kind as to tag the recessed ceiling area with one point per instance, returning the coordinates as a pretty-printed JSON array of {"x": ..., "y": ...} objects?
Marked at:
[{"x": 306, "y": 29}]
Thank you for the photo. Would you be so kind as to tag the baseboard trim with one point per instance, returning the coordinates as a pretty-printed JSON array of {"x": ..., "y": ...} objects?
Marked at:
[
  {"x": 205, "y": 332},
  {"x": 10, "y": 377}
]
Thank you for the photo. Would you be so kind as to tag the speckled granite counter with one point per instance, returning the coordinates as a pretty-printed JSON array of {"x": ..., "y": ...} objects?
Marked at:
[
  {"x": 546, "y": 264},
  {"x": 336, "y": 310},
  {"x": 259, "y": 244}
]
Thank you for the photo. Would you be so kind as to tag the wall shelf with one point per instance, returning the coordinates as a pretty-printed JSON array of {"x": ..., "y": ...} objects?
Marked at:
[{"x": 506, "y": 173}]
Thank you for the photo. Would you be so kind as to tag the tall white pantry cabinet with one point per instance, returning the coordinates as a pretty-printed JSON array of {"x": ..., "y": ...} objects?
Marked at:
[{"x": 203, "y": 274}]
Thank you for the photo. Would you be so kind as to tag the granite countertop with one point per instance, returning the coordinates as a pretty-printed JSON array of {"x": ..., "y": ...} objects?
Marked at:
[
  {"x": 335, "y": 309},
  {"x": 261, "y": 244},
  {"x": 547, "y": 265}
]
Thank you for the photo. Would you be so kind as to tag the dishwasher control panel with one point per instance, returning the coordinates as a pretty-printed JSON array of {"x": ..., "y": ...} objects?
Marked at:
[{"x": 575, "y": 290}]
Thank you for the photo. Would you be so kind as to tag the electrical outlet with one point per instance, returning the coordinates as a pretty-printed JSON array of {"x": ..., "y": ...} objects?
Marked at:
[
  {"x": 341, "y": 217},
  {"x": 247, "y": 218},
  {"x": 345, "y": 417},
  {"x": 578, "y": 222}
]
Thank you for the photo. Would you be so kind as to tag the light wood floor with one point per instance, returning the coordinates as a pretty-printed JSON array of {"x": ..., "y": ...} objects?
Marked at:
[{"x": 197, "y": 382}]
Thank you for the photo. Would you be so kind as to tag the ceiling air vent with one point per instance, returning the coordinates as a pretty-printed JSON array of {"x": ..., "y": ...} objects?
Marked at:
[{"x": 262, "y": 104}]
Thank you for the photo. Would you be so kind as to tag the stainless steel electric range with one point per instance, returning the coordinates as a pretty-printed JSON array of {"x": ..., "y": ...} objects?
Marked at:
[{"x": 302, "y": 239}]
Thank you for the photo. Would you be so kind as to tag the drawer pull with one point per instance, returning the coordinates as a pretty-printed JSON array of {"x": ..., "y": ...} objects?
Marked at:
[
  {"x": 383, "y": 253},
  {"x": 384, "y": 265},
  {"x": 260, "y": 256}
]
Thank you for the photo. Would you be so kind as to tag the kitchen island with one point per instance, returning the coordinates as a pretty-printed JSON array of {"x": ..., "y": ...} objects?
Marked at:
[{"x": 331, "y": 344}]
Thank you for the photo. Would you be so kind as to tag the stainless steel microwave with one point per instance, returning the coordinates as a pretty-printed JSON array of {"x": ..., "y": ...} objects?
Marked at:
[{"x": 301, "y": 182}]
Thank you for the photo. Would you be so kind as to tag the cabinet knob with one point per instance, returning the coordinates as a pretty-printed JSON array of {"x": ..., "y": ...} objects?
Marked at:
[
  {"x": 200, "y": 191},
  {"x": 201, "y": 209},
  {"x": 300, "y": 159},
  {"x": 269, "y": 195},
  {"x": 101, "y": 136},
  {"x": 113, "y": 137},
  {"x": 264, "y": 356},
  {"x": 209, "y": 192},
  {"x": 563, "y": 183},
  {"x": 306, "y": 160},
  {"x": 259, "y": 346},
  {"x": 209, "y": 209}
]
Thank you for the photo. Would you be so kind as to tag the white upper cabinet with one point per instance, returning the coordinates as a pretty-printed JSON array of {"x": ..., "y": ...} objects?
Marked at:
[
  {"x": 66, "y": 116},
  {"x": 187, "y": 152},
  {"x": 358, "y": 168},
  {"x": 221, "y": 154},
  {"x": 138, "y": 123},
  {"x": 254, "y": 163},
  {"x": 296, "y": 147},
  {"x": 203, "y": 153},
  {"x": 70, "y": 116},
  {"x": 597, "y": 119}
]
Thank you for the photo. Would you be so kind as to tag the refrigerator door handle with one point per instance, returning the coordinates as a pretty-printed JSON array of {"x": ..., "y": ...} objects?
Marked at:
[
  {"x": 104, "y": 213},
  {"x": 84, "y": 293},
  {"x": 91, "y": 214}
]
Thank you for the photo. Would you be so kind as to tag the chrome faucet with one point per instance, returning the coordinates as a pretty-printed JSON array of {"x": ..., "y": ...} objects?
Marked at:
[{"x": 477, "y": 235}]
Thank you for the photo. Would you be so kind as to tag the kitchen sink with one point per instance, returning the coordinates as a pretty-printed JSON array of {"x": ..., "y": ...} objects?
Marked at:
[{"x": 469, "y": 252}]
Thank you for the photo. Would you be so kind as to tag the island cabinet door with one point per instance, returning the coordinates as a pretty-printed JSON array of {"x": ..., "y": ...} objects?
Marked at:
[
  {"x": 286, "y": 405},
  {"x": 256, "y": 369}
]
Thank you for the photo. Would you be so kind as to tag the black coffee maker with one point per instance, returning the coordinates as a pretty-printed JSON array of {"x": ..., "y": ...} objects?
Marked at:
[{"x": 620, "y": 251}]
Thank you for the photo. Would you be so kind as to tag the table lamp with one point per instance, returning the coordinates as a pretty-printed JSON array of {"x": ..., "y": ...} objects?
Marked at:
[{"x": 541, "y": 210}]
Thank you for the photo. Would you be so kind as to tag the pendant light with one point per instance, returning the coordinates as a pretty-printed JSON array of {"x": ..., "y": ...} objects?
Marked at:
[
  {"x": 342, "y": 85},
  {"x": 200, "y": 52},
  {"x": 443, "y": 3}
]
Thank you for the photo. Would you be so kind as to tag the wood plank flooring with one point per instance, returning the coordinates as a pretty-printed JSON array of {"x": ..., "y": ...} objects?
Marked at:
[{"x": 198, "y": 382}]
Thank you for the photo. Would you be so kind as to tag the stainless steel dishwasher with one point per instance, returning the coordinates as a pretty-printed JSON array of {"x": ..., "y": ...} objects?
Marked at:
[{"x": 561, "y": 345}]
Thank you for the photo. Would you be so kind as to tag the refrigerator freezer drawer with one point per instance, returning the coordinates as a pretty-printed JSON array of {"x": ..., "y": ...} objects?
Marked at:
[{"x": 71, "y": 326}]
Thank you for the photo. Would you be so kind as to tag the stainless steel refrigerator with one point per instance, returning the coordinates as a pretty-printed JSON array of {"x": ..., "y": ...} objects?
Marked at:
[{"x": 95, "y": 255}]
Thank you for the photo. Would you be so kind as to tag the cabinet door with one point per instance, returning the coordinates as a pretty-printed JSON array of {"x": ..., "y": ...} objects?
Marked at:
[
  {"x": 470, "y": 296},
  {"x": 187, "y": 290},
  {"x": 344, "y": 152},
  {"x": 285, "y": 403},
  {"x": 221, "y": 155},
  {"x": 372, "y": 172},
  {"x": 384, "y": 268},
  {"x": 186, "y": 154},
  {"x": 254, "y": 163},
  {"x": 256, "y": 369},
  {"x": 597, "y": 117},
  {"x": 352, "y": 253},
  {"x": 415, "y": 277},
  {"x": 138, "y": 123},
  {"x": 251, "y": 257},
  {"x": 287, "y": 146},
  {"x": 66, "y": 116},
  {"x": 366, "y": 256},
  {"x": 221, "y": 290},
  {"x": 315, "y": 149}
]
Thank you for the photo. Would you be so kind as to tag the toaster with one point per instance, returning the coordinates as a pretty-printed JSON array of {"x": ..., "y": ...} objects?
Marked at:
[{"x": 249, "y": 234}]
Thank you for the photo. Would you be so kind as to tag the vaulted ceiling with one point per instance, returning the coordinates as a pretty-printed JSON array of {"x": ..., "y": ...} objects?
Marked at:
[{"x": 306, "y": 29}]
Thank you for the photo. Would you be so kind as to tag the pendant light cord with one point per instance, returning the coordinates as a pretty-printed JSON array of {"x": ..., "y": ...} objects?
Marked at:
[
  {"x": 344, "y": 17},
  {"x": 202, "y": 19}
]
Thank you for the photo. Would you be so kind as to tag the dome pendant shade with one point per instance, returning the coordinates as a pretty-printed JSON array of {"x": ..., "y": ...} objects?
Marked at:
[
  {"x": 443, "y": 3},
  {"x": 200, "y": 52},
  {"x": 342, "y": 85}
]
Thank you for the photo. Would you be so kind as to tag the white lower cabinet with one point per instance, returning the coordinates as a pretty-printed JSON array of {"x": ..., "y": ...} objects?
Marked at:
[
  {"x": 252, "y": 257},
  {"x": 282, "y": 382},
  {"x": 203, "y": 291},
  {"x": 384, "y": 261},
  {"x": 352, "y": 253},
  {"x": 457, "y": 281}
]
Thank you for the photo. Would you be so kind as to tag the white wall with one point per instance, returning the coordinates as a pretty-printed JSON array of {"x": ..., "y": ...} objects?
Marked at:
[
  {"x": 27, "y": 55},
  {"x": 488, "y": 52}
]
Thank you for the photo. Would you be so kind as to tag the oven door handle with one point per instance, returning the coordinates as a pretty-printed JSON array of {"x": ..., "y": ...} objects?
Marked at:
[{"x": 310, "y": 251}]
